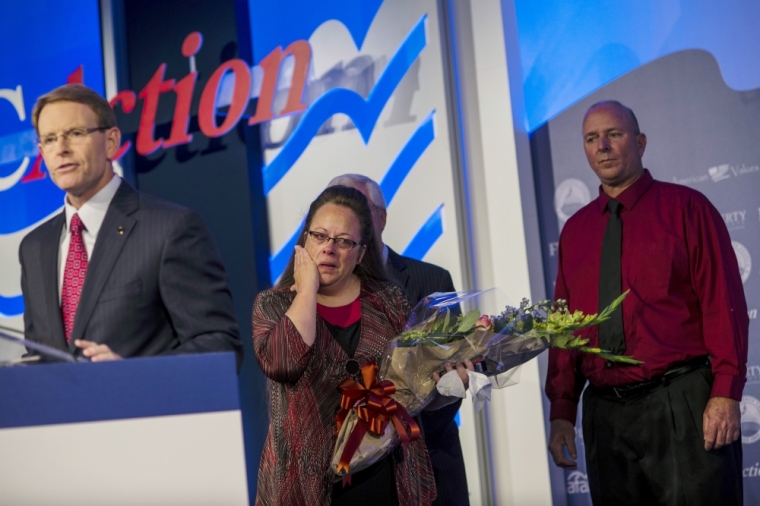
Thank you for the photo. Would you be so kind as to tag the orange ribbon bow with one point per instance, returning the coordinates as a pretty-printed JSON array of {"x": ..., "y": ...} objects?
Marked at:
[{"x": 375, "y": 410}]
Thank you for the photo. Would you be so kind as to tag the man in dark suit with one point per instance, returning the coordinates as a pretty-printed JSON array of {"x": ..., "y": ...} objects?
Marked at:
[
  {"x": 419, "y": 279},
  {"x": 118, "y": 273}
]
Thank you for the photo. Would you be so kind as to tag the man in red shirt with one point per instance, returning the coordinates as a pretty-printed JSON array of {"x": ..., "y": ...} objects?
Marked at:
[{"x": 666, "y": 431}]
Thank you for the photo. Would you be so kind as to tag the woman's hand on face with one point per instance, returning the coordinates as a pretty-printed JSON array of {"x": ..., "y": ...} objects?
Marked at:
[
  {"x": 305, "y": 273},
  {"x": 462, "y": 369}
]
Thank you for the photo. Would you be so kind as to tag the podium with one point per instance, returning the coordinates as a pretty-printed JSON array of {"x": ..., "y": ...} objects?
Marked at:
[{"x": 159, "y": 430}]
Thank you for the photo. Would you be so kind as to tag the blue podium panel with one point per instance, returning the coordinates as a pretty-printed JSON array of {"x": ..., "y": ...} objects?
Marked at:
[
  {"x": 135, "y": 388},
  {"x": 159, "y": 430}
]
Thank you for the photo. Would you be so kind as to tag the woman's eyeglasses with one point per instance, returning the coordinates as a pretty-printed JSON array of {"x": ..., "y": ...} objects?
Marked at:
[{"x": 340, "y": 242}]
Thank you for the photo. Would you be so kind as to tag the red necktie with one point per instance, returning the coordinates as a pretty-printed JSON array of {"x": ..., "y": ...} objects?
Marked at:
[{"x": 73, "y": 276}]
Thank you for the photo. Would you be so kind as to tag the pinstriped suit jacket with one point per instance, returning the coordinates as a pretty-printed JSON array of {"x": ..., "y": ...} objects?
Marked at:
[
  {"x": 155, "y": 283},
  {"x": 418, "y": 280}
]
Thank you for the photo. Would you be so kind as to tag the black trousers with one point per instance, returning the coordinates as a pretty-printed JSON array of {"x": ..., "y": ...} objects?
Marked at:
[
  {"x": 649, "y": 449},
  {"x": 374, "y": 486}
]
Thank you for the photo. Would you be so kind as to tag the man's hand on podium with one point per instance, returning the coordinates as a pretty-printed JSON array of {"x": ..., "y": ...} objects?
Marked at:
[{"x": 96, "y": 352}]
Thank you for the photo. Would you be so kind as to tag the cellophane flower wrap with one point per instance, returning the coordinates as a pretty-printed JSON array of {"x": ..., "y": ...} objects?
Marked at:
[{"x": 480, "y": 326}]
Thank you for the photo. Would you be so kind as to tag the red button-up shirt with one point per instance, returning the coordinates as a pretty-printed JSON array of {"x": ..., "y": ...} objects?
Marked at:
[{"x": 686, "y": 297}]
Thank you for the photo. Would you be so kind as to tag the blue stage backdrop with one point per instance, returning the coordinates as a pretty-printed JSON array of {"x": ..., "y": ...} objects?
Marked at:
[
  {"x": 570, "y": 49},
  {"x": 701, "y": 134}
]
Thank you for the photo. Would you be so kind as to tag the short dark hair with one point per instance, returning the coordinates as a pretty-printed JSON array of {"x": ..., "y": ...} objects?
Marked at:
[
  {"x": 80, "y": 94},
  {"x": 620, "y": 105},
  {"x": 371, "y": 266}
]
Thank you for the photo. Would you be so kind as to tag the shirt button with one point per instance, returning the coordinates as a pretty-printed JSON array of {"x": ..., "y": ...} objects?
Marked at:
[{"x": 609, "y": 364}]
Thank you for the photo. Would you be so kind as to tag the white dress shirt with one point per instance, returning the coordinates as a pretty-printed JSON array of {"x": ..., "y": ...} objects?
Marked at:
[{"x": 92, "y": 213}]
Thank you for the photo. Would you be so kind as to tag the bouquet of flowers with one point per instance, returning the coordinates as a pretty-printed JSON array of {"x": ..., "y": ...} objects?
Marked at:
[{"x": 449, "y": 327}]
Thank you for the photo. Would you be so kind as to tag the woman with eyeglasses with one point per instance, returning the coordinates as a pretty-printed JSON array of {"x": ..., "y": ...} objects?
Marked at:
[{"x": 331, "y": 312}]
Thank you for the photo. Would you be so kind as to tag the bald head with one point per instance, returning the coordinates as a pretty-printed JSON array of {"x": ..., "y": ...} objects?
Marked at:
[{"x": 625, "y": 111}]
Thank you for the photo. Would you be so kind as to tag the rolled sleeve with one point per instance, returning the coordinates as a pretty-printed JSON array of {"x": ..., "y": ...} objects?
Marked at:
[
  {"x": 725, "y": 385},
  {"x": 563, "y": 409}
]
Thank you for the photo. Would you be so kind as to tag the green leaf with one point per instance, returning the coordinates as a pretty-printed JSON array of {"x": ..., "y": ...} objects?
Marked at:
[
  {"x": 604, "y": 315},
  {"x": 446, "y": 321},
  {"x": 469, "y": 320},
  {"x": 621, "y": 358},
  {"x": 437, "y": 326}
]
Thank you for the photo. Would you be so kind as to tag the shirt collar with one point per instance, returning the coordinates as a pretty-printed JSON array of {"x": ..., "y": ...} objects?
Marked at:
[
  {"x": 93, "y": 212},
  {"x": 630, "y": 195}
]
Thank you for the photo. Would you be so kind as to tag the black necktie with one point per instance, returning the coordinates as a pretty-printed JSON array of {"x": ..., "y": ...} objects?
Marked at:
[{"x": 611, "y": 336}]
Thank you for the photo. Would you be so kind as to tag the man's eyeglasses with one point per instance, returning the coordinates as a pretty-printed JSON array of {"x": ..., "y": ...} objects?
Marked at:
[
  {"x": 73, "y": 136},
  {"x": 340, "y": 242}
]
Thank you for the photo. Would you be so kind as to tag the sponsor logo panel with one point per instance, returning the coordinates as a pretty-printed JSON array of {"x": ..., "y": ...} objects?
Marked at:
[
  {"x": 750, "y": 419},
  {"x": 727, "y": 171},
  {"x": 691, "y": 179},
  {"x": 577, "y": 483},
  {"x": 744, "y": 259},
  {"x": 719, "y": 172},
  {"x": 753, "y": 374},
  {"x": 735, "y": 219},
  {"x": 569, "y": 196},
  {"x": 752, "y": 471}
]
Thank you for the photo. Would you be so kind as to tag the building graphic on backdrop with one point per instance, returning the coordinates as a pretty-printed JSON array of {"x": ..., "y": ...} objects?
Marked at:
[
  {"x": 376, "y": 105},
  {"x": 362, "y": 106}
]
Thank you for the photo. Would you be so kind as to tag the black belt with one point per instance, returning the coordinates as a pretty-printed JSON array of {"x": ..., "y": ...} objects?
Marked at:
[{"x": 650, "y": 384}]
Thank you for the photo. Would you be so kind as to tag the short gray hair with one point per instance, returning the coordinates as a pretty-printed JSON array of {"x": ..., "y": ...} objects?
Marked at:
[{"x": 374, "y": 192}]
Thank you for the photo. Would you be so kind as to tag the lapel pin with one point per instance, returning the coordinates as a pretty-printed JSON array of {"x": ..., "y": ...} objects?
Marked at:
[{"x": 121, "y": 230}]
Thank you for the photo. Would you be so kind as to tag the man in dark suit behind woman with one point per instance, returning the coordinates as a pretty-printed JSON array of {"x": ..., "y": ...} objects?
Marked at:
[{"x": 419, "y": 279}]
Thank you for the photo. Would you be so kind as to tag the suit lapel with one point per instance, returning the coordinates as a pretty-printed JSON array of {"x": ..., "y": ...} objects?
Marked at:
[
  {"x": 49, "y": 266},
  {"x": 396, "y": 270},
  {"x": 112, "y": 236}
]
